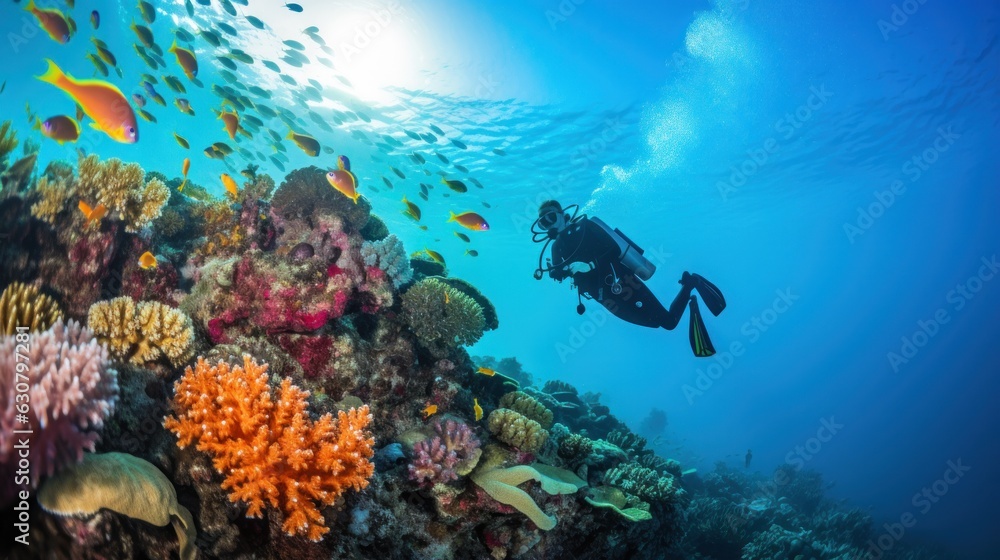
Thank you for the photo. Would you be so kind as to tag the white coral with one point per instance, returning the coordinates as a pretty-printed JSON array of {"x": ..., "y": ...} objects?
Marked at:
[{"x": 389, "y": 255}]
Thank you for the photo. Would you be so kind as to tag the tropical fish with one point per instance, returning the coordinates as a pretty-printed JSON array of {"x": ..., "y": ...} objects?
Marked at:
[
  {"x": 144, "y": 34},
  {"x": 423, "y": 195},
  {"x": 104, "y": 52},
  {"x": 211, "y": 36},
  {"x": 487, "y": 371},
  {"x": 459, "y": 144},
  {"x": 430, "y": 409},
  {"x": 186, "y": 59},
  {"x": 99, "y": 64},
  {"x": 230, "y": 184},
  {"x": 174, "y": 84},
  {"x": 441, "y": 157},
  {"x": 147, "y": 116},
  {"x": 270, "y": 65},
  {"x": 462, "y": 236},
  {"x": 184, "y": 171},
  {"x": 295, "y": 45},
  {"x": 146, "y": 11},
  {"x": 344, "y": 182},
  {"x": 398, "y": 172},
  {"x": 92, "y": 214},
  {"x": 239, "y": 55},
  {"x": 147, "y": 261},
  {"x": 222, "y": 148},
  {"x": 95, "y": 19},
  {"x": 434, "y": 255},
  {"x": 469, "y": 220},
  {"x": 472, "y": 252},
  {"x": 477, "y": 410},
  {"x": 387, "y": 182},
  {"x": 308, "y": 144},
  {"x": 499, "y": 152},
  {"x": 454, "y": 185},
  {"x": 101, "y": 101},
  {"x": 437, "y": 130},
  {"x": 228, "y": 29},
  {"x": 228, "y": 7},
  {"x": 184, "y": 105},
  {"x": 412, "y": 210},
  {"x": 447, "y": 299},
  {"x": 227, "y": 62},
  {"x": 462, "y": 168},
  {"x": 231, "y": 122},
  {"x": 474, "y": 181},
  {"x": 295, "y": 8},
  {"x": 60, "y": 128},
  {"x": 53, "y": 21},
  {"x": 180, "y": 140},
  {"x": 255, "y": 22}
]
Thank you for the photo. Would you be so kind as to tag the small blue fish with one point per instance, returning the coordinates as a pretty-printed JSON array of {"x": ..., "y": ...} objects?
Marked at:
[
  {"x": 294, "y": 7},
  {"x": 95, "y": 19}
]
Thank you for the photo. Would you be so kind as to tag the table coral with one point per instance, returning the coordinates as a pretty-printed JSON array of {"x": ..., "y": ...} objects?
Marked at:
[
  {"x": 266, "y": 446},
  {"x": 441, "y": 325},
  {"x": 122, "y": 188},
  {"x": 143, "y": 332},
  {"x": 22, "y": 305},
  {"x": 71, "y": 391}
]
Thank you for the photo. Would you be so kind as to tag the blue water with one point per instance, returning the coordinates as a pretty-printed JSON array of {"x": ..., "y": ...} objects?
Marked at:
[{"x": 831, "y": 167}]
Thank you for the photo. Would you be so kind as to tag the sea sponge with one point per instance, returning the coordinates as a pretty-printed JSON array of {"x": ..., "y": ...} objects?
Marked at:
[
  {"x": 528, "y": 406},
  {"x": 53, "y": 194},
  {"x": 124, "y": 484},
  {"x": 440, "y": 326},
  {"x": 142, "y": 333},
  {"x": 70, "y": 392},
  {"x": 501, "y": 485},
  {"x": 122, "y": 189},
  {"x": 388, "y": 255},
  {"x": 644, "y": 483},
  {"x": 514, "y": 429},
  {"x": 22, "y": 305}
]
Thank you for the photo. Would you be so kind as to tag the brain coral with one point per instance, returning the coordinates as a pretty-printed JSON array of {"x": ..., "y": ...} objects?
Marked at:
[
  {"x": 441, "y": 317},
  {"x": 70, "y": 392},
  {"x": 516, "y": 430},
  {"x": 143, "y": 332},
  {"x": 22, "y": 305}
]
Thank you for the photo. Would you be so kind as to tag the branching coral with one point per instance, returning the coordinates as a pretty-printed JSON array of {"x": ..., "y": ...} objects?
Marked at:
[
  {"x": 645, "y": 483},
  {"x": 266, "y": 446},
  {"x": 441, "y": 325},
  {"x": 516, "y": 430},
  {"x": 501, "y": 485},
  {"x": 143, "y": 332},
  {"x": 54, "y": 194},
  {"x": 70, "y": 392},
  {"x": 8, "y": 142},
  {"x": 389, "y": 256},
  {"x": 122, "y": 189},
  {"x": 22, "y": 305},
  {"x": 528, "y": 406},
  {"x": 453, "y": 452}
]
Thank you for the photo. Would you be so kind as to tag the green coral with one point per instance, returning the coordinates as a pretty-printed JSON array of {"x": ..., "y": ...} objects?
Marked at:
[
  {"x": 515, "y": 429},
  {"x": 124, "y": 484},
  {"x": 441, "y": 317},
  {"x": 629, "y": 507},
  {"x": 501, "y": 485},
  {"x": 490, "y": 319},
  {"x": 644, "y": 483},
  {"x": 528, "y": 406}
]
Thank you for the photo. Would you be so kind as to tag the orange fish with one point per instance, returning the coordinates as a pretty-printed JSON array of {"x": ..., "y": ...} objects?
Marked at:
[
  {"x": 52, "y": 21},
  {"x": 101, "y": 101},
  {"x": 477, "y": 409},
  {"x": 92, "y": 214},
  {"x": 345, "y": 182},
  {"x": 184, "y": 169},
  {"x": 469, "y": 220},
  {"x": 230, "y": 184},
  {"x": 232, "y": 122},
  {"x": 430, "y": 410},
  {"x": 487, "y": 371},
  {"x": 147, "y": 261}
]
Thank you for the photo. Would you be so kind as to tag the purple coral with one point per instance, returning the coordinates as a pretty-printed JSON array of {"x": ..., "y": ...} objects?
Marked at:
[
  {"x": 435, "y": 460},
  {"x": 69, "y": 389}
]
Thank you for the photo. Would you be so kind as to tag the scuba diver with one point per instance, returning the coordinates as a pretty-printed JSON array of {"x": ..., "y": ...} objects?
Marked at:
[
  {"x": 607, "y": 266},
  {"x": 748, "y": 458}
]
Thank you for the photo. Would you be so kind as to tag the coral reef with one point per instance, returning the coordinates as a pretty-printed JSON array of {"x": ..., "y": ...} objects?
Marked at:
[
  {"x": 441, "y": 325},
  {"x": 453, "y": 452},
  {"x": 617, "y": 501},
  {"x": 266, "y": 446},
  {"x": 501, "y": 485},
  {"x": 142, "y": 333},
  {"x": 123, "y": 484},
  {"x": 25, "y": 306},
  {"x": 641, "y": 482},
  {"x": 388, "y": 255},
  {"x": 122, "y": 189},
  {"x": 70, "y": 391},
  {"x": 516, "y": 430},
  {"x": 529, "y": 407}
]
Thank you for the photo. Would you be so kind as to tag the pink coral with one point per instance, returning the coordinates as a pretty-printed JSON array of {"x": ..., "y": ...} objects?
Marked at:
[
  {"x": 70, "y": 390},
  {"x": 435, "y": 460},
  {"x": 312, "y": 352}
]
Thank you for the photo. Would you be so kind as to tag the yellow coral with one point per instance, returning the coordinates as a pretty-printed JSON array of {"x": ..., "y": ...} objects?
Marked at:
[
  {"x": 53, "y": 195},
  {"x": 121, "y": 188},
  {"x": 528, "y": 406},
  {"x": 22, "y": 305},
  {"x": 141, "y": 333},
  {"x": 513, "y": 428}
]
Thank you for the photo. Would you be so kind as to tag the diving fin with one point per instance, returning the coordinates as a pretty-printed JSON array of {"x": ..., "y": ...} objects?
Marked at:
[
  {"x": 710, "y": 294},
  {"x": 701, "y": 345}
]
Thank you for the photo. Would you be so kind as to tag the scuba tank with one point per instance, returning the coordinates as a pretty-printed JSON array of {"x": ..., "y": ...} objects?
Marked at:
[{"x": 629, "y": 254}]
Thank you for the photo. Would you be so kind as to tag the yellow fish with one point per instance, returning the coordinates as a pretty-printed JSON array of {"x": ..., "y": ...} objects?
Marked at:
[
  {"x": 147, "y": 261},
  {"x": 52, "y": 21},
  {"x": 230, "y": 184},
  {"x": 344, "y": 182},
  {"x": 308, "y": 144},
  {"x": 184, "y": 169},
  {"x": 487, "y": 371},
  {"x": 232, "y": 123},
  {"x": 430, "y": 410},
  {"x": 101, "y": 101},
  {"x": 434, "y": 255},
  {"x": 412, "y": 210},
  {"x": 92, "y": 214},
  {"x": 477, "y": 409},
  {"x": 446, "y": 298}
]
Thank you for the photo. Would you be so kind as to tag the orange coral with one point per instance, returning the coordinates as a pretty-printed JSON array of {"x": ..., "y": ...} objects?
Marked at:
[{"x": 269, "y": 450}]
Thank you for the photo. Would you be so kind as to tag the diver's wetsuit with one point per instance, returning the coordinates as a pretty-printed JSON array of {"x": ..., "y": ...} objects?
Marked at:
[{"x": 583, "y": 241}]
